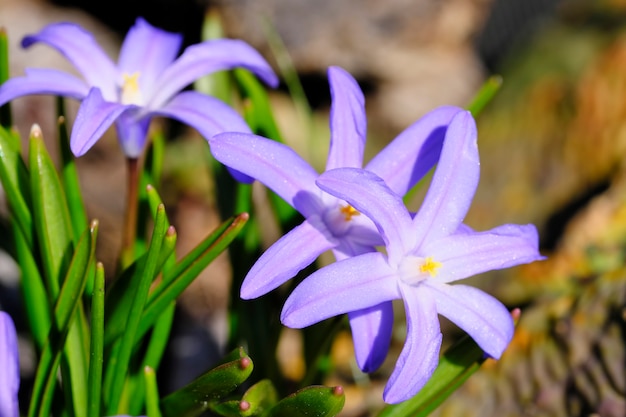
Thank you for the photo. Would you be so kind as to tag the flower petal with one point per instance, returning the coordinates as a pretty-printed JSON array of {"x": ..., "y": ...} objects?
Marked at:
[
  {"x": 286, "y": 257},
  {"x": 420, "y": 354},
  {"x": 82, "y": 50},
  {"x": 349, "y": 285},
  {"x": 454, "y": 182},
  {"x": 273, "y": 164},
  {"x": 9, "y": 363},
  {"x": 208, "y": 115},
  {"x": 148, "y": 51},
  {"x": 132, "y": 131},
  {"x": 371, "y": 332},
  {"x": 348, "y": 124},
  {"x": 465, "y": 254},
  {"x": 205, "y": 58},
  {"x": 94, "y": 117},
  {"x": 413, "y": 152},
  {"x": 367, "y": 193},
  {"x": 43, "y": 81},
  {"x": 483, "y": 317}
]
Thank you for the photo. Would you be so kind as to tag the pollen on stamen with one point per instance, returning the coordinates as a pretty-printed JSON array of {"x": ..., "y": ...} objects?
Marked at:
[
  {"x": 349, "y": 212},
  {"x": 430, "y": 266}
]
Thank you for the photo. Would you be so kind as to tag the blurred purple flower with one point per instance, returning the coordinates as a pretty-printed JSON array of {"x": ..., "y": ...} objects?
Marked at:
[
  {"x": 425, "y": 254},
  {"x": 331, "y": 223},
  {"x": 146, "y": 82},
  {"x": 9, "y": 364}
]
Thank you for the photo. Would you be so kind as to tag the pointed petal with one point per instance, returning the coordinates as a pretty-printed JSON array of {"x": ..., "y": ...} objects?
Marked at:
[
  {"x": 371, "y": 332},
  {"x": 466, "y": 254},
  {"x": 80, "y": 48},
  {"x": 454, "y": 182},
  {"x": 273, "y": 164},
  {"x": 286, "y": 257},
  {"x": 9, "y": 363},
  {"x": 413, "y": 152},
  {"x": 43, "y": 81},
  {"x": 208, "y": 115},
  {"x": 205, "y": 58},
  {"x": 348, "y": 124},
  {"x": 350, "y": 285},
  {"x": 420, "y": 354},
  {"x": 483, "y": 317},
  {"x": 367, "y": 193},
  {"x": 94, "y": 117},
  {"x": 148, "y": 51}
]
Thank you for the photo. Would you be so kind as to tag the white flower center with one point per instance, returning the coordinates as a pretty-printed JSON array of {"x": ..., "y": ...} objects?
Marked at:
[
  {"x": 415, "y": 269},
  {"x": 131, "y": 94},
  {"x": 339, "y": 218}
]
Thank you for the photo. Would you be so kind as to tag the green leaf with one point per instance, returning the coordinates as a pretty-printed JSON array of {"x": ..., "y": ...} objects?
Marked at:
[
  {"x": 97, "y": 344},
  {"x": 255, "y": 402},
  {"x": 50, "y": 213},
  {"x": 484, "y": 96},
  {"x": 71, "y": 184},
  {"x": 209, "y": 388},
  {"x": 140, "y": 295},
  {"x": 313, "y": 401},
  {"x": 5, "y": 110},
  {"x": 15, "y": 181},
  {"x": 258, "y": 110},
  {"x": 64, "y": 315},
  {"x": 152, "y": 393},
  {"x": 459, "y": 362},
  {"x": 36, "y": 302},
  {"x": 179, "y": 277}
]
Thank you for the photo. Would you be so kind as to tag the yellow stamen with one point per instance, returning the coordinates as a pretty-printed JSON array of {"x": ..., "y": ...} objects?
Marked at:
[
  {"x": 430, "y": 266},
  {"x": 348, "y": 212},
  {"x": 130, "y": 89}
]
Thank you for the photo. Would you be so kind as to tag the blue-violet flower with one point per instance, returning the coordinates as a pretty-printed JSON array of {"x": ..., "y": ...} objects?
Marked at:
[
  {"x": 424, "y": 254},
  {"x": 331, "y": 223},
  {"x": 9, "y": 363},
  {"x": 146, "y": 82}
]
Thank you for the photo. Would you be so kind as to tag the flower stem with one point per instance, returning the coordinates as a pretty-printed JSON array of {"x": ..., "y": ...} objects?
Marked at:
[{"x": 132, "y": 204}]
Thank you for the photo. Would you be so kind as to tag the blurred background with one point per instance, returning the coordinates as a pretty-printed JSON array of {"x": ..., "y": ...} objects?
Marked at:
[{"x": 552, "y": 146}]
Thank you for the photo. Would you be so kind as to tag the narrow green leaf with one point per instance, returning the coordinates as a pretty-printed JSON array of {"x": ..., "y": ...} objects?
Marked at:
[
  {"x": 160, "y": 337},
  {"x": 97, "y": 344},
  {"x": 71, "y": 184},
  {"x": 36, "y": 302},
  {"x": 64, "y": 314},
  {"x": 255, "y": 402},
  {"x": 459, "y": 362},
  {"x": 136, "y": 309},
  {"x": 5, "y": 110},
  {"x": 179, "y": 277},
  {"x": 119, "y": 296},
  {"x": 209, "y": 388},
  {"x": 258, "y": 110},
  {"x": 315, "y": 401},
  {"x": 152, "y": 393},
  {"x": 15, "y": 181},
  {"x": 484, "y": 96},
  {"x": 50, "y": 213}
]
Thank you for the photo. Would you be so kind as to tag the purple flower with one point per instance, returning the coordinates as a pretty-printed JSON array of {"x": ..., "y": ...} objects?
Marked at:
[
  {"x": 330, "y": 222},
  {"x": 9, "y": 363},
  {"x": 146, "y": 82},
  {"x": 425, "y": 254}
]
